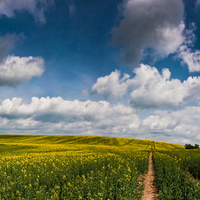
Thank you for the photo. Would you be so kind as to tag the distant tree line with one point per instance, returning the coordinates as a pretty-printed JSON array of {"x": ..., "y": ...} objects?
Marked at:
[{"x": 189, "y": 146}]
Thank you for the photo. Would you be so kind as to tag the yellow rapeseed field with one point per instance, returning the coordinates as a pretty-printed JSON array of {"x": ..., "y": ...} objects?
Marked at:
[
  {"x": 92, "y": 168},
  {"x": 71, "y": 167}
]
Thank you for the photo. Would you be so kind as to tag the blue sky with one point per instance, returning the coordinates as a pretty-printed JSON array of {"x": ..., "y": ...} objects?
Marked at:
[{"x": 123, "y": 68}]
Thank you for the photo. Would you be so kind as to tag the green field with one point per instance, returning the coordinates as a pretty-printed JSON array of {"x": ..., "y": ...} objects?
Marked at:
[{"x": 86, "y": 167}]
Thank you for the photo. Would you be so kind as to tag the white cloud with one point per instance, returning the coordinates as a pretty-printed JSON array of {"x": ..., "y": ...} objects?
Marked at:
[
  {"x": 53, "y": 107},
  {"x": 70, "y": 116},
  {"x": 58, "y": 116},
  {"x": 151, "y": 24},
  {"x": 152, "y": 89},
  {"x": 149, "y": 88},
  {"x": 17, "y": 70},
  {"x": 35, "y": 7},
  {"x": 188, "y": 56},
  {"x": 182, "y": 123},
  {"x": 111, "y": 86},
  {"x": 191, "y": 59},
  {"x": 158, "y": 123}
]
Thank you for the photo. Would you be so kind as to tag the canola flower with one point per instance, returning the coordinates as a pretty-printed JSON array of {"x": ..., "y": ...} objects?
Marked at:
[
  {"x": 71, "y": 171},
  {"x": 99, "y": 168},
  {"x": 188, "y": 160},
  {"x": 172, "y": 170}
]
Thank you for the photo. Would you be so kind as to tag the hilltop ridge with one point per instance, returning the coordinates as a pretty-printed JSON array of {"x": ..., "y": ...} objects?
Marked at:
[{"x": 87, "y": 140}]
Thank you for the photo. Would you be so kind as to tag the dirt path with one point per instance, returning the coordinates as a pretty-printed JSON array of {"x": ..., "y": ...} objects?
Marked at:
[{"x": 150, "y": 190}]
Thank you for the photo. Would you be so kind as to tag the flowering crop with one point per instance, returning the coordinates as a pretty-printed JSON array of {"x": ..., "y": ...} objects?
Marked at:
[
  {"x": 172, "y": 166},
  {"x": 172, "y": 182},
  {"x": 188, "y": 160},
  {"x": 71, "y": 169}
]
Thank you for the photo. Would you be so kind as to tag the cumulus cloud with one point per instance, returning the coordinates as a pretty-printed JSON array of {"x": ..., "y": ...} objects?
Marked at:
[
  {"x": 112, "y": 85},
  {"x": 186, "y": 54},
  {"x": 50, "y": 107},
  {"x": 155, "y": 122},
  {"x": 35, "y": 7},
  {"x": 152, "y": 89},
  {"x": 153, "y": 24},
  {"x": 17, "y": 70},
  {"x": 148, "y": 88},
  {"x": 58, "y": 116},
  {"x": 182, "y": 123},
  {"x": 190, "y": 58},
  {"x": 84, "y": 116}
]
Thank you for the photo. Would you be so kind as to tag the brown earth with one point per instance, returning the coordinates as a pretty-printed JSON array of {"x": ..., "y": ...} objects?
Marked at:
[
  {"x": 195, "y": 180},
  {"x": 150, "y": 190}
]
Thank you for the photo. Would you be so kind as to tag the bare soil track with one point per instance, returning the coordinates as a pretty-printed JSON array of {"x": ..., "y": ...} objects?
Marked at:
[{"x": 150, "y": 190}]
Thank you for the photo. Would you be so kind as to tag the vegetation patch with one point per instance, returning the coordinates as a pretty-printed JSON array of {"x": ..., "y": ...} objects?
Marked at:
[{"x": 85, "y": 167}]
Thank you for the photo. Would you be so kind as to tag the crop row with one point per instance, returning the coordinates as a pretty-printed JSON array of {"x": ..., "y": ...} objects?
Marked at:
[
  {"x": 188, "y": 160},
  {"x": 173, "y": 182}
]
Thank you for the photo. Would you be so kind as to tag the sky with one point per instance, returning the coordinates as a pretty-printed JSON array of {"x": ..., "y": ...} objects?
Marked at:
[{"x": 120, "y": 68}]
